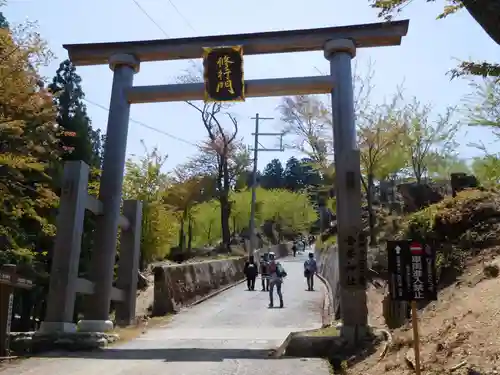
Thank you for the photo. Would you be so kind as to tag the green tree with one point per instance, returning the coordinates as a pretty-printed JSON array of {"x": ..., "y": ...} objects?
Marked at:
[
  {"x": 424, "y": 137},
  {"x": 273, "y": 175},
  {"x": 290, "y": 212},
  {"x": 312, "y": 176},
  {"x": 222, "y": 158},
  {"x": 222, "y": 155},
  {"x": 145, "y": 181},
  {"x": 487, "y": 169},
  {"x": 485, "y": 13},
  {"x": 207, "y": 228},
  {"x": 4, "y": 24},
  {"x": 294, "y": 178},
  {"x": 78, "y": 139},
  {"x": 181, "y": 196},
  {"x": 379, "y": 135},
  {"x": 442, "y": 166},
  {"x": 28, "y": 147},
  {"x": 482, "y": 106},
  {"x": 307, "y": 120}
]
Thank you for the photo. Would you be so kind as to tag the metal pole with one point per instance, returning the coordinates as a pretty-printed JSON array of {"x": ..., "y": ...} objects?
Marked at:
[
  {"x": 254, "y": 186},
  {"x": 256, "y": 150}
]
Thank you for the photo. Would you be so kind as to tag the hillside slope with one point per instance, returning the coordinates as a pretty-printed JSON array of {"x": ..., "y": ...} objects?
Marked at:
[{"x": 459, "y": 332}]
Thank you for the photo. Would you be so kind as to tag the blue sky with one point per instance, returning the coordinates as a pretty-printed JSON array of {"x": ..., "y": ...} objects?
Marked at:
[{"x": 430, "y": 50}]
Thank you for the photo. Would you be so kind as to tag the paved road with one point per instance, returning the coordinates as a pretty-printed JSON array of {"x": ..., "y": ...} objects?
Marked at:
[{"x": 231, "y": 334}]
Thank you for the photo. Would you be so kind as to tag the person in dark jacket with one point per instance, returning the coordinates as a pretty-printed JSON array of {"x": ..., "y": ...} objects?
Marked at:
[
  {"x": 251, "y": 271},
  {"x": 264, "y": 273},
  {"x": 310, "y": 270},
  {"x": 294, "y": 248}
]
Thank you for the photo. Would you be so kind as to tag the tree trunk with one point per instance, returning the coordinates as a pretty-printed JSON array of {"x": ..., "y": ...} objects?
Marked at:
[
  {"x": 190, "y": 232},
  {"x": 224, "y": 217},
  {"x": 182, "y": 238},
  {"x": 209, "y": 234},
  {"x": 371, "y": 214}
]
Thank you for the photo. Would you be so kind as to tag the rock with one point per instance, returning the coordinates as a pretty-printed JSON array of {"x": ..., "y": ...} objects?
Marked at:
[
  {"x": 142, "y": 282},
  {"x": 417, "y": 196},
  {"x": 461, "y": 181},
  {"x": 35, "y": 342},
  {"x": 314, "y": 346}
]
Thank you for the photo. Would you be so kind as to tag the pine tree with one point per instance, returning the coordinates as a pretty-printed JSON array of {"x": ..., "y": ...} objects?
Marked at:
[
  {"x": 79, "y": 141},
  {"x": 273, "y": 175},
  {"x": 294, "y": 180}
]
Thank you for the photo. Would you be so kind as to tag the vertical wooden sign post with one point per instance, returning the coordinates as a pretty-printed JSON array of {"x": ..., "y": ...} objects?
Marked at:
[
  {"x": 8, "y": 281},
  {"x": 412, "y": 278},
  {"x": 416, "y": 337}
]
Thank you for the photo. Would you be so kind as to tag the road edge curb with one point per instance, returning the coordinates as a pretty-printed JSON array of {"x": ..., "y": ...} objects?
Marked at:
[
  {"x": 326, "y": 313},
  {"x": 327, "y": 297},
  {"x": 213, "y": 294}
]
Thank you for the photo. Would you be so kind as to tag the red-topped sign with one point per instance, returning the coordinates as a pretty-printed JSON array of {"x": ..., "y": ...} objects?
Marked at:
[
  {"x": 416, "y": 248},
  {"x": 412, "y": 271}
]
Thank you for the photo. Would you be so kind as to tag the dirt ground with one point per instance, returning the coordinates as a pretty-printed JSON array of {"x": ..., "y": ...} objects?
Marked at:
[{"x": 458, "y": 333}]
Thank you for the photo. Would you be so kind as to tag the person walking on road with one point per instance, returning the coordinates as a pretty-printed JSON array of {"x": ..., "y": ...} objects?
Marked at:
[
  {"x": 264, "y": 273},
  {"x": 276, "y": 275},
  {"x": 310, "y": 269},
  {"x": 294, "y": 248},
  {"x": 251, "y": 271}
]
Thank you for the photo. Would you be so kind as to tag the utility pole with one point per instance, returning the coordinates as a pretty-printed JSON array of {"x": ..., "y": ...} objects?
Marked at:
[{"x": 256, "y": 150}]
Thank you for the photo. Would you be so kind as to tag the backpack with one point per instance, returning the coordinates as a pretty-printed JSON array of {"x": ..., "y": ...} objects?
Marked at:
[
  {"x": 280, "y": 271},
  {"x": 272, "y": 267},
  {"x": 264, "y": 267}
]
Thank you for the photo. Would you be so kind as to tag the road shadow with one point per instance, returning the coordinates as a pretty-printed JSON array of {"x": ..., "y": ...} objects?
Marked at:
[{"x": 166, "y": 354}]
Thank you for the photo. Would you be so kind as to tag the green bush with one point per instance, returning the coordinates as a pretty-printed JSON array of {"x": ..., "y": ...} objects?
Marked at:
[{"x": 458, "y": 227}]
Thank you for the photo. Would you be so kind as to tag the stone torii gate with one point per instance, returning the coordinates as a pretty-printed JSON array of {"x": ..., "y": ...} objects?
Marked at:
[{"x": 339, "y": 45}]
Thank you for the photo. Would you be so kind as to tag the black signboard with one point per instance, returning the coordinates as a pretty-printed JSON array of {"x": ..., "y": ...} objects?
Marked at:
[
  {"x": 223, "y": 74},
  {"x": 9, "y": 280},
  {"x": 15, "y": 280},
  {"x": 412, "y": 271}
]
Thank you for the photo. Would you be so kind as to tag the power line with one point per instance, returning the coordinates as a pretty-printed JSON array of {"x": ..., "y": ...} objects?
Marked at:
[
  {"x": 319, "y": 71},
  {"x": 145, "y": 125},
  {"x": 158, "y": 26},
  {"x": 150, "y": 18},
  {"x": 140, "y": 122},
  {"x": 186, "y": 21}
]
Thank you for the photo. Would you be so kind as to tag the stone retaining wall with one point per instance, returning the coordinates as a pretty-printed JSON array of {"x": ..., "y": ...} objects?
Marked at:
[
  {"x": 176, "y": 286},
  {"x": 328, "y": 267}
]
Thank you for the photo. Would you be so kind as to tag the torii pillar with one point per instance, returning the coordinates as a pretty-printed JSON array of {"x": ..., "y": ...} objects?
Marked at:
[
  {"x": 352, "y": 251},
  {"x": 96, "y": 316}
]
